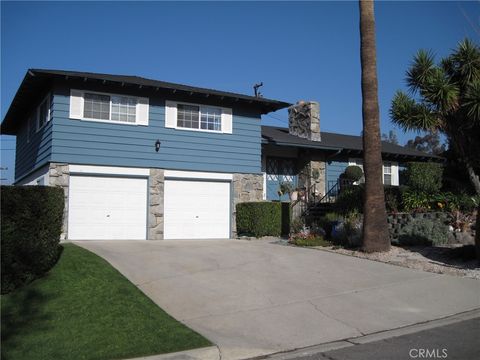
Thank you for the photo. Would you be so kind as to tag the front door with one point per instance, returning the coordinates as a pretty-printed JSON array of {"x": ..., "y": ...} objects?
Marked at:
[{"x": 280, "y": 170}]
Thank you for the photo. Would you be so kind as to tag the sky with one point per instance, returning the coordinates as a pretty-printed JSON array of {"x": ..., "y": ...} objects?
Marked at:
[{"x": 299, "y": 50}]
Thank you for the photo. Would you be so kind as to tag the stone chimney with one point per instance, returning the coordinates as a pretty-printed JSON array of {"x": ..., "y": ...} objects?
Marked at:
[{"x": 304, "y": 120}]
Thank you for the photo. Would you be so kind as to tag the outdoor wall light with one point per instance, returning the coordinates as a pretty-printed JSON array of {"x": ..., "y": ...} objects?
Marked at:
[{"x": 157, "y": 145}]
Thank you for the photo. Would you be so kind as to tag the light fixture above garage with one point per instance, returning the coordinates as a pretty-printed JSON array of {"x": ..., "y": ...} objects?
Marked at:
[{"x": 157, "y": 145}]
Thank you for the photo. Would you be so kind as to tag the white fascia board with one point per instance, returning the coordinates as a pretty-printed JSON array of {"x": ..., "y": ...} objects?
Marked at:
[
  {"x": 197, "y": 175},
  {"x": 108, "y": 170}
]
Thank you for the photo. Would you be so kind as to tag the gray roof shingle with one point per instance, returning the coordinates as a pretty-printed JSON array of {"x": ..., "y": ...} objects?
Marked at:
[{"x": 337, "y": 142}]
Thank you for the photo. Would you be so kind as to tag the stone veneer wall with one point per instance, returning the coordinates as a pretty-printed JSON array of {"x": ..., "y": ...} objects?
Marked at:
[
  {"x": 396, "y": 222},
  {"x": 155, "y": 206},
  {"x": 304, "y": 120},
  {"x": 59, "y": 175},
  {"x": 246, "y": 188}
]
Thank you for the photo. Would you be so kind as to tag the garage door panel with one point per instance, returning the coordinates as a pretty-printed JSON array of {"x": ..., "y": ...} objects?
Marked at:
[
  {"x": 107, "y": 208},
  {"x": 196, "y": 209}
]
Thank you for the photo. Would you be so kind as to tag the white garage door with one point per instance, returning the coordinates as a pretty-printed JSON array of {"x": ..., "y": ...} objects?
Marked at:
[
  {"x": 197, "y": 209},
  {"x": 107, "y": 208}
]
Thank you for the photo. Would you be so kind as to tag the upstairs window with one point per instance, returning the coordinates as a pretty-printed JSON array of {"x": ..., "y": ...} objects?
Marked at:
[
  {"x": 211, "y": 118},
  {"x": 124, "y": 108},
  {"x": 104, "y": 107},
  {"x": 43, "y": 112},
  {"x": 387, "y": 173},
  {"x": 96, "y": 106},
  {"x": 188, "y": 116},
  {"x": 199, "y": 117}
]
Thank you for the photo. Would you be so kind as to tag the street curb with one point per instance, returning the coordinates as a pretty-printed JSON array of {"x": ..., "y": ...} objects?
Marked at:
[
  {"x": 207, "y": 353},
  {"x": 382, "y": 335}
]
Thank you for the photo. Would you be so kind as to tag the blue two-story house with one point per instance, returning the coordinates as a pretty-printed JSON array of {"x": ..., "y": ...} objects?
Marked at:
[{"x": 146, "y": 159}]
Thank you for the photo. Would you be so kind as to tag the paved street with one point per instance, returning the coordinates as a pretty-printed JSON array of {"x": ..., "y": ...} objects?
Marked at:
[
  {"x": 459, "y": 341},
  {"x": 254, "y": 298}
]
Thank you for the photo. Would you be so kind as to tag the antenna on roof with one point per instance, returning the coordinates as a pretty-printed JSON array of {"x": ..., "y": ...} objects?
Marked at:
[{"x": 255, "y": 89}]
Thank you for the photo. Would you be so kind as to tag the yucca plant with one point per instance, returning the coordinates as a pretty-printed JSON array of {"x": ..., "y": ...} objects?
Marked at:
[{"x": 445, "y": 98}]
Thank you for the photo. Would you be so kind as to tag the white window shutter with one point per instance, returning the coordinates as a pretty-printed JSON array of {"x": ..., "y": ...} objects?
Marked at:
[
  {"x": 76, "y": 104},
  {"x": 142, "y": 111},
  {"x": 170, "y": 114},
  {"x": 227, "y": 119},
  {"x": 395, "y": 175}
]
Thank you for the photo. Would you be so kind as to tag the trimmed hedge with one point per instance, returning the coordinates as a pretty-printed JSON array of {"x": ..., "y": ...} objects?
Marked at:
[
  {"x": 31, "y": 225},
  {"x": 353, "y": 173},
  {"x": 424, "y": 177},
  {"x": 350, "y": 200},
  {"x": 263, "y": 218}
]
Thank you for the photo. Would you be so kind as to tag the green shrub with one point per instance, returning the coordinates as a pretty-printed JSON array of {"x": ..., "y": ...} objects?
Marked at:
[
  {"x": 353, "y": 173},
  {"x": 393, "y": 198},
  {"x": 424, "y": 177},
  {"x": 297, "y": 225},
  {"x": 350, "y": 200},
  {"x": 310, "y": 241},
  {"x": 327, "y": 221},
  {"x": 31, "y": 226},
  {"x": 260, "y": 218},
  {"x": 348, "y": 232},
  {"x": 444, "y": 201},
  {"x": 464, "y": 202},
  {"x": 416, "y": 200},
  {"x": 422, "y": 231}
]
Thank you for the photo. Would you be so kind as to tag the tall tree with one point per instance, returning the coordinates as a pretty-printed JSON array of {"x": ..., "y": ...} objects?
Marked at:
[
  {"x": 429, "y": 143},
  {"x": 375, "y": 231},
  {"x": 391, "y": 137},
  {"x": 446, "y": 98}
]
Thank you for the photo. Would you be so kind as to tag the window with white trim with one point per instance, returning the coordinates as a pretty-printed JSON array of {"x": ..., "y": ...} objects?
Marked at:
[
  {"x": 106, "y": 107},
  {"x": 199, "y": 117},
  {"x": 387, "y": 173},
  {"x": 43, "y": 112}
]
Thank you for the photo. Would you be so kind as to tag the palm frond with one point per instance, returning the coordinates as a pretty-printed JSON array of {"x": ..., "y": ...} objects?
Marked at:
[
  {"x": 465, "y": 62},
  {"x": 412, "y": 116},
  {"x": 420, "y": 70},
  {"x": 440, "y": 92},
  {"x": 471, "y": 103}
]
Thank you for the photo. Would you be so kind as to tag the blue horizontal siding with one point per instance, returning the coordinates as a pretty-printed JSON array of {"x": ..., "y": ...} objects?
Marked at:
[
  {"x": 97, "y": 143},
  {"x": 334, "y": 169},
  {"x": 32, "y": 155}
]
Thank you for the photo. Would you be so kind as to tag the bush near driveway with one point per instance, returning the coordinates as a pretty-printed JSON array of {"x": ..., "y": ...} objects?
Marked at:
[
  {"x": 263, "y": 218},
  {"x": 85, "y": 309},
  {"x": 31, "y": 224}
]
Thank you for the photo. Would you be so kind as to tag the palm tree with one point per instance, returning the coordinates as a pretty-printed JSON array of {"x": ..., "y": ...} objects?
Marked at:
[
  {"x": 446, "y": 98},
  {"x": 375, "y": 231}
]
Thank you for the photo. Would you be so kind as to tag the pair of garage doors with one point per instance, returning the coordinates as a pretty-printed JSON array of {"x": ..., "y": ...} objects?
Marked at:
[{"x": 106, "y": 207}]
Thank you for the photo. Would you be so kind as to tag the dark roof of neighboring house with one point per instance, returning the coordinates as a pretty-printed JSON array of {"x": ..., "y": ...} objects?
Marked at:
[
  {"x": 36, "y": 79},
  {"x": 345, "y": 144}
]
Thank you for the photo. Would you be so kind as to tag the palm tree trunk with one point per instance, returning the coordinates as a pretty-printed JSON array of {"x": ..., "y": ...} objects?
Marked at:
[{"x": 375, "y": 231}]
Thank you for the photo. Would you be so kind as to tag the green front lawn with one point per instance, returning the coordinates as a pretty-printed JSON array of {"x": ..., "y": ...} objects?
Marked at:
[{"x": 85, "y": 309}]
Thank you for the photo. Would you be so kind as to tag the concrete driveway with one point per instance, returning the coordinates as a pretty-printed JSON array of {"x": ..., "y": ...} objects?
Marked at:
[{"x": 254, "y": 297}]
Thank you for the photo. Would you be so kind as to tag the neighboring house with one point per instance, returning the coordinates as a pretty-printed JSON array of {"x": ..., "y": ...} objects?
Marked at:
[{"x": 145, "y": 159}]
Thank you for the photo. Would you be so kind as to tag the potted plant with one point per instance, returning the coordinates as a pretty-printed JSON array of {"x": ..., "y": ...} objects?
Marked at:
[{"x": 287, "y": 188}]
